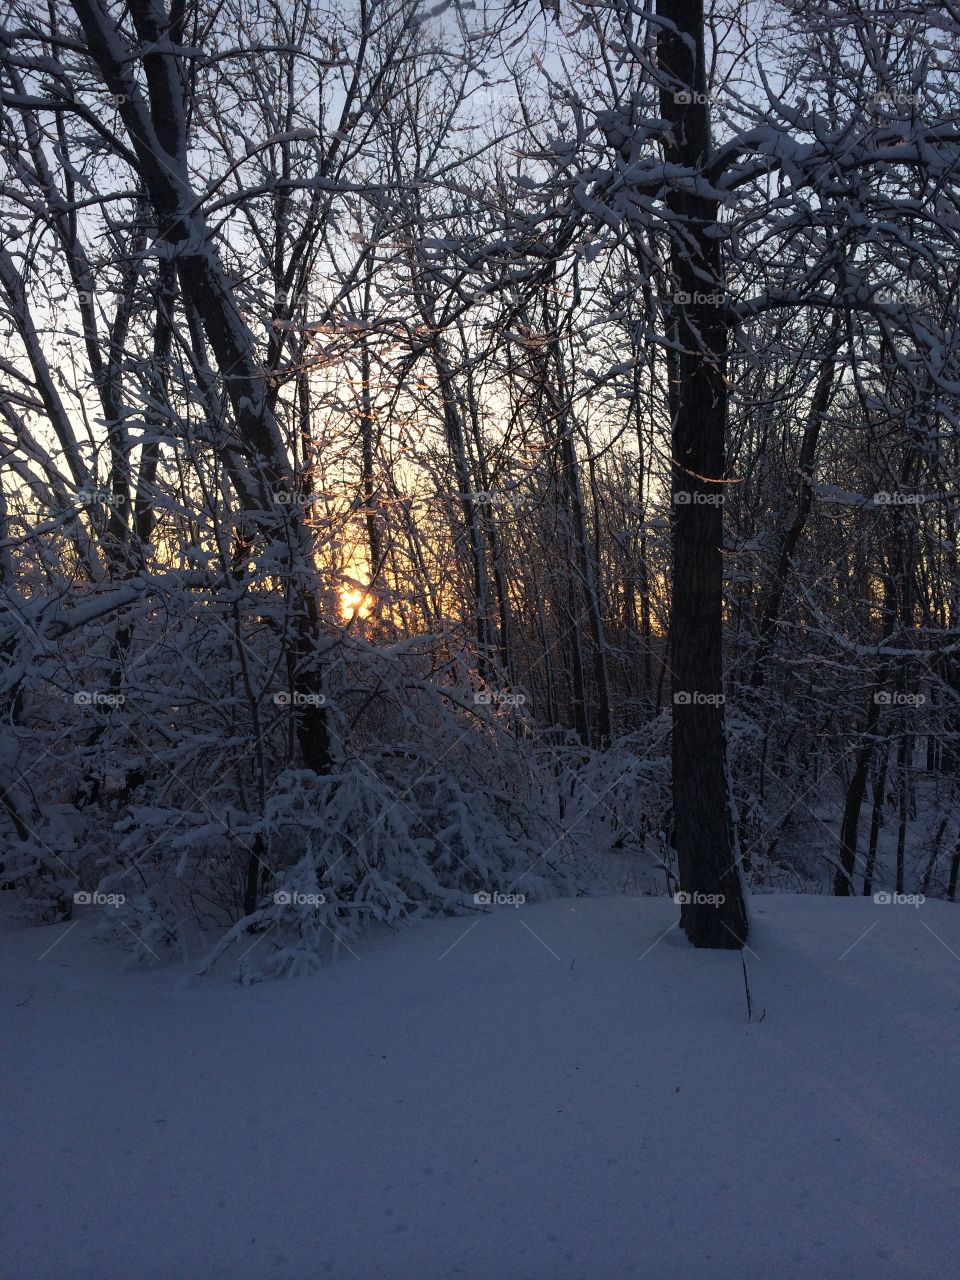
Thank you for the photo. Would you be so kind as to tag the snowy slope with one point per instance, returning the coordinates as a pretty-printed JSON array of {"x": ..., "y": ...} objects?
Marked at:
[{"x": 546, "y": 1093}]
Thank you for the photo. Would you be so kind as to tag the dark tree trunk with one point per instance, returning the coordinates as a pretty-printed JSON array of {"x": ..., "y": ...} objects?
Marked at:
[
  {"x": 903, "y": 761},
  {"x": 876, "y": 818},
  {"x": 367, "y": 446},
  {"x": 843, "y": 880},
  {"x": 698, "y": 402}
]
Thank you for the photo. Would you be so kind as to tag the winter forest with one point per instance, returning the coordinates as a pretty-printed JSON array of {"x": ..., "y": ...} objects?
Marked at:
[{"x": 484, "y": 465}]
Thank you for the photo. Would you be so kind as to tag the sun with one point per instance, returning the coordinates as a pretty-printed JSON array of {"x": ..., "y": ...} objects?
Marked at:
[{"x": 355, "y": 603}]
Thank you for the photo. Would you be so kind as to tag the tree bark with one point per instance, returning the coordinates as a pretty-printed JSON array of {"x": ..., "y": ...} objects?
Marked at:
[
  {"x": 879, "y": 792},
  {"x": 713, "y": 912}
]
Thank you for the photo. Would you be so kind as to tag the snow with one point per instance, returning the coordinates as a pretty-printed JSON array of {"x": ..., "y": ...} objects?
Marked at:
[{"x": 553, "y": 1092}]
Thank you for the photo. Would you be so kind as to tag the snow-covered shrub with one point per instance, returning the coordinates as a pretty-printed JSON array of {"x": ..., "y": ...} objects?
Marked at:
[{"x": 181, "y": 793}]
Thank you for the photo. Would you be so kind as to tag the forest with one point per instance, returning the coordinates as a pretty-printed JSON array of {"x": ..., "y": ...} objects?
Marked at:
[{"x": 474, "y": 449}]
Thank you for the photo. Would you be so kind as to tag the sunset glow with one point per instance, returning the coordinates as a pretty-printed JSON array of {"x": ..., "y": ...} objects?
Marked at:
[{"x": 355, "y": 603}]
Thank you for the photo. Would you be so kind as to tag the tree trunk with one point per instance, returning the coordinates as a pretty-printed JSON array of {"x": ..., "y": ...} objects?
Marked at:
[
  {"x": 843, "y": 880},
  {"x": 713, "y": 913},
  {"x": 903, "y": 761},
  {"x": 876, "y": 818}
]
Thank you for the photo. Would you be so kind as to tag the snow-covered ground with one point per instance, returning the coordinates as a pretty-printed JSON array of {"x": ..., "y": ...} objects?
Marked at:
[{"x": 563, "y": 1090}]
